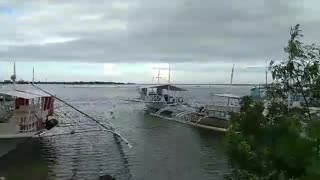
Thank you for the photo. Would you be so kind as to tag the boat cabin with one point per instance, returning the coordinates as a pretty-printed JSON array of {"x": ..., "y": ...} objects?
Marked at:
[
  {"x": 228, "y": 100},
  {"x": 24, "y": 112},
  {"x": 222, "y": 105},
  {"x": 296, "y": 100},
  {"x": 258, "y": 92},
  {"x": 163, "y": 93}
]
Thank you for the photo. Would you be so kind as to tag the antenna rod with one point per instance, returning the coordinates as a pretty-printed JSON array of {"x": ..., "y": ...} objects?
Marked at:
[{"x": 158, "y": 77}]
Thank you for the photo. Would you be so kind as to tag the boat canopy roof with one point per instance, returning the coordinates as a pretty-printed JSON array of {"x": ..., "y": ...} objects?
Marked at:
[
  {"x": 168, "y": 87},
  {"x": 24, "y": 94},
  {"x": 255, "y": 87},
  {"x": 227, "y": 96}
]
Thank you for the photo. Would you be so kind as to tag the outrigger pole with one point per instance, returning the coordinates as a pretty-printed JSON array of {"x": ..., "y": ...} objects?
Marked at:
[{"x": 110, "y": 129}]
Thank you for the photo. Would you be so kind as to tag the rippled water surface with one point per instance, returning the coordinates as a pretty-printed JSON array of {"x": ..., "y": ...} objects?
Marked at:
[{"x": 161, "y": 149}]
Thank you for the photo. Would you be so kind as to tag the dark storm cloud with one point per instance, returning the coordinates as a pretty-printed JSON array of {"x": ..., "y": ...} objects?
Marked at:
[{"x": 148, "y": 30}]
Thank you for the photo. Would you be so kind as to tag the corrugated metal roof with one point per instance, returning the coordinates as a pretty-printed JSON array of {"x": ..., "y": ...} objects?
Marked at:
[
  {"x": 35, "y": 92},
  {"x": 24, "y": 95},
  {"x": 169, "y": 87}
]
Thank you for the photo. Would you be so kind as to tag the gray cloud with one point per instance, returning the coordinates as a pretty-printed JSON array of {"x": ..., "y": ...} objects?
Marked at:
[{"x": 149, "y": 30}]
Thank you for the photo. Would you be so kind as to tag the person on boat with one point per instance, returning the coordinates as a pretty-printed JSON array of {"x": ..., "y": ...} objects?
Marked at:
[
  {"x": 201, "y": 109},
  {"x": 51, "y": 123},
  {"x": 166, "y": 97},
  {"x": 159, "y": 91}
]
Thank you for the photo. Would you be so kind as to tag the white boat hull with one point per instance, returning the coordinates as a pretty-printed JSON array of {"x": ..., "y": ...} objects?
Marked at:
[{"x": 9, "y": 144}]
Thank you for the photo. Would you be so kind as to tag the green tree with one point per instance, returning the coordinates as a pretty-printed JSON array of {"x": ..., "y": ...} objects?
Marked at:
[{"x": 268, "y": 139}]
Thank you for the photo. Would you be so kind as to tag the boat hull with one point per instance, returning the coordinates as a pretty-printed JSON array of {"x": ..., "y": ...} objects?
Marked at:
[
  {"x": 9, "y": 144},
  {"x": 193, "y": 118},
  {"x": 210, "y": 121}
]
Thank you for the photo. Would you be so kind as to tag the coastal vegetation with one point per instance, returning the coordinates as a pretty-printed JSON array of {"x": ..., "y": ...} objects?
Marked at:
[{"x": 271, "y": 139}]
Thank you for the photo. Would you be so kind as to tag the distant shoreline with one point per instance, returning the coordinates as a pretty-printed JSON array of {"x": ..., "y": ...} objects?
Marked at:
[
  {"x": 71, "y": 83},
  {"x": 120, "y": 83}
]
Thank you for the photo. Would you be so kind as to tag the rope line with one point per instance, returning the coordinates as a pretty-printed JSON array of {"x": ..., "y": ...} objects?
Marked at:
[{"x": 109, "y": 129}]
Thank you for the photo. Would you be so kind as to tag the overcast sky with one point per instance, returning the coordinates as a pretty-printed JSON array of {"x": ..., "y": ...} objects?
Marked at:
[{"x": 123, "y": 40}]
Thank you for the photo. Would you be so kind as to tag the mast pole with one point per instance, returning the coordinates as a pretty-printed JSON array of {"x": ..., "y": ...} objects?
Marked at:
[
  {"x": 232, "y": 75},
  {"x": 169, "y": 74},
  {"x": 158, "y": 76},
  {"x": 33, "y": 75},
  {"x": 231, "y": 79},
  {"x": 169, "y": 80},
  {"x": 266, "y": 74},
  {"x": 13, "y": 78},
  {"x": 14, "y": 75}
]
